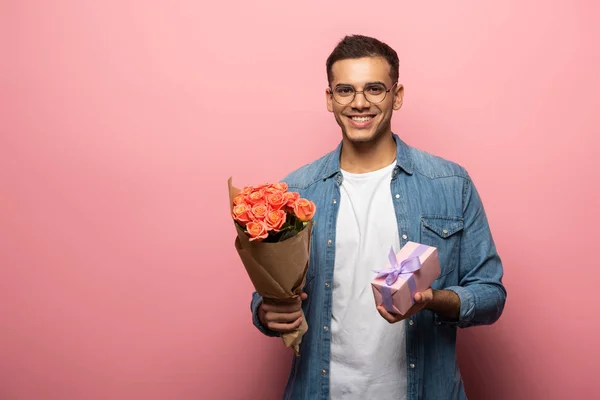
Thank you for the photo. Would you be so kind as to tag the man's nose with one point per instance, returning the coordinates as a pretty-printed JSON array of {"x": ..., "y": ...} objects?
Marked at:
[{"x": 360, "y": 101}]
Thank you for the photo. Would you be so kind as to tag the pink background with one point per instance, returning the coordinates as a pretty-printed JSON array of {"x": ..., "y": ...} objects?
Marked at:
[{"x": 121, "y": 121}]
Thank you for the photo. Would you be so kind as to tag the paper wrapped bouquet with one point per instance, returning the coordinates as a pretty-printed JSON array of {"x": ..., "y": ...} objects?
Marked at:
[{"x": 273, "y": 241}]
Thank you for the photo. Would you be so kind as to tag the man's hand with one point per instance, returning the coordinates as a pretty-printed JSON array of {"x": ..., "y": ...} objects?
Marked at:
[
  {"x": 445, "y": 303},
  {"x": 281, "y": 316},
  {"x": 421, "y": 300}
]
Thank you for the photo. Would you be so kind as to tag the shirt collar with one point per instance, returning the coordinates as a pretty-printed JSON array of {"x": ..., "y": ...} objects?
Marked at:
[{"x": 403, "y": 159}]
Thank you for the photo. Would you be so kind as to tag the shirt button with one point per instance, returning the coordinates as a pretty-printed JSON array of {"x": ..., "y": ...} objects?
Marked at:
[
  {"x": 334, "y": 201},
  {"x": 327, "y": 284},
  {"x": 397, "y": 196},
  {"x": 404, "y": 237},
  {"x": 411, "y": 322},
  {"x": 445, "y": 231},
  {"x": 326, "y": 328},
  {"x": 412, "y": 365},
  {"x": 323, "y": 372},
  {"x": 329, "y": 241}
]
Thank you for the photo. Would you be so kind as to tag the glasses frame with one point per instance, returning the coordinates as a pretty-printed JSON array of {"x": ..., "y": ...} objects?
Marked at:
[{"x": 363, "y": 93}]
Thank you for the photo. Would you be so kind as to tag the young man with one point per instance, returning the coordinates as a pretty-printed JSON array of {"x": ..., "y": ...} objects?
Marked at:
[{"x": 372, "y": 193}]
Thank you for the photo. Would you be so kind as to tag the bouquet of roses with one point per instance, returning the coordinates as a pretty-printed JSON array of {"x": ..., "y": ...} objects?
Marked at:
[{"x": 273, "y": 241}]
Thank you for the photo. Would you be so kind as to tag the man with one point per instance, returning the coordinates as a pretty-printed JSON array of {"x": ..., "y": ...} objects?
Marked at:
[{"x": 372, "y": 193}]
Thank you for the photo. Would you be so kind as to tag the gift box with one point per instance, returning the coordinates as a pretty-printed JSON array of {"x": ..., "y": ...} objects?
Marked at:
[{"x": 413, "y": 269}]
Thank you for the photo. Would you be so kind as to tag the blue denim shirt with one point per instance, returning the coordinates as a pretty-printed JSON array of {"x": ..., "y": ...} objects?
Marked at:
[{"x": 436, "y": 204}]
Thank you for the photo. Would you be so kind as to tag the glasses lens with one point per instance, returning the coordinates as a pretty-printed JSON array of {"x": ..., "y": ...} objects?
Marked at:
[
  {"x": 375, "y": 93},
  {"x": 343, "y": 94}
]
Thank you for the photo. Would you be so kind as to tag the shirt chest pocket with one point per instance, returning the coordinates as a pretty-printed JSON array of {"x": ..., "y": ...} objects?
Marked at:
[{"x": 444, "y": 233}]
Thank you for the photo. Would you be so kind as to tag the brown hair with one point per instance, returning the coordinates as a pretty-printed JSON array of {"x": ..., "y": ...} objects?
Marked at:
[{"x": 358, "y": 46}]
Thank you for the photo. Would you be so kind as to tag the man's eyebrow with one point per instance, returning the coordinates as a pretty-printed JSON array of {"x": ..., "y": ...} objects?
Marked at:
[
  {"x": 366, "y": 84},
  {"x": 375, "y": 83}
]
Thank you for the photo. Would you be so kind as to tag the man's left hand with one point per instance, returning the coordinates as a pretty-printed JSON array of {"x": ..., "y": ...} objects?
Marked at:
[{"x": 421, "y": 300}]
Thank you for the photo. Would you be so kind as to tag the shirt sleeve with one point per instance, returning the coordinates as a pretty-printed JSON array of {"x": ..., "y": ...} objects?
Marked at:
[{"x": 480, "y": 290}]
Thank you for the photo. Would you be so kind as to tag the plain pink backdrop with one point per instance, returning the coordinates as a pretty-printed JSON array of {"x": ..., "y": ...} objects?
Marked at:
[{"x": 121, "y": 121}]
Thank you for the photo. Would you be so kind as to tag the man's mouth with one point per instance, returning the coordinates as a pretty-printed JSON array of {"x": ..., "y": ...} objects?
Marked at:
[{"x": 362, "y": 119}]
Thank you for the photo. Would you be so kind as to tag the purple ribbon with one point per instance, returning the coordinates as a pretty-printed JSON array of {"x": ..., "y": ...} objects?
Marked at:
[{"x": 405, "y": 271}]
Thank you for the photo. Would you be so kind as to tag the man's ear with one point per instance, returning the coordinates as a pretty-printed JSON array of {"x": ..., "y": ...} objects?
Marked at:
[
  {"x": 329, "y": 100},
  {"x": 398, "y": 96}
]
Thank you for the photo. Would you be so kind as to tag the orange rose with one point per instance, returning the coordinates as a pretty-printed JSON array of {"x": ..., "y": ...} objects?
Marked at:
[
  {"x": 275, "y": 219},
  {"x": 276, "y": 200},
  {"x": 304, "y": 209},
  {"x": 241, "y": 213},
  {"x": 246, "y": 191},
  {"x": 257, "y": 230},
  {"x": 280, "y": 186},
  {"x": 257, "y": 196},
  {"x": 239, "y": 199},
  {"x": 291, "y": 198},
  {"x": 259, "y": 211}
]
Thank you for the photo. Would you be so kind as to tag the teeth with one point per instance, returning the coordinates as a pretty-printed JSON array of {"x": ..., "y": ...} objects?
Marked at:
[{"x": 361, "y": 119}]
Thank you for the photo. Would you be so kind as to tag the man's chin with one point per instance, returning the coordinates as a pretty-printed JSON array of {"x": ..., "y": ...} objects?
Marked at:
[{"x": 359, "y": 135}]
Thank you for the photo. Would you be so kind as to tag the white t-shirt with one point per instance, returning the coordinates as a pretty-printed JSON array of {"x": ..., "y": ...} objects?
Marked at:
[{"x": 368, "y": 354}]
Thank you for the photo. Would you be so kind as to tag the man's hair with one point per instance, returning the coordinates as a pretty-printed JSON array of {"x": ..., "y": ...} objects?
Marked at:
[{"x": 358, "y": 46}]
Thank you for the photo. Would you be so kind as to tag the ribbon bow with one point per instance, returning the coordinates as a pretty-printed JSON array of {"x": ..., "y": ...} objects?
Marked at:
[{"x": 407, "y": 266}]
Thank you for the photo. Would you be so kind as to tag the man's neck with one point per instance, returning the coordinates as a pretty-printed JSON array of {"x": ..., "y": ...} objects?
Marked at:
[{"x": 360, "y": 158}]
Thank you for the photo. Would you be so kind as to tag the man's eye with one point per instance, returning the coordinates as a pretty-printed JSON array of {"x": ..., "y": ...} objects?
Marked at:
[
  {"x": 376, "y": 89},
  {"x": 344, "y": 91}
]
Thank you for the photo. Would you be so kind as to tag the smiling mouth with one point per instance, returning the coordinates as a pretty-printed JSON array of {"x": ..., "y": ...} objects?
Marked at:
[{"x": 361, "y": 118}]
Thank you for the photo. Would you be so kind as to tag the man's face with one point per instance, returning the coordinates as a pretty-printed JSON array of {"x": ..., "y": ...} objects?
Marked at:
[{"x": 363, "y": 121}]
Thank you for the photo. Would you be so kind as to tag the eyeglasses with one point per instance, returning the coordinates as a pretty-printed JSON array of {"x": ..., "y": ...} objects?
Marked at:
[{"x": 373, "y": 92}]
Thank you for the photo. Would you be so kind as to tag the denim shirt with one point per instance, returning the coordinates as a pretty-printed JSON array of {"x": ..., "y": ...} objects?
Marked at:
[{"x": 436, "y": 204}]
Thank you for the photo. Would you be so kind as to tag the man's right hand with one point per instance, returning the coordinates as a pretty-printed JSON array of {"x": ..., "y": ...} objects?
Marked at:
[{"x": 281, "y": 316}]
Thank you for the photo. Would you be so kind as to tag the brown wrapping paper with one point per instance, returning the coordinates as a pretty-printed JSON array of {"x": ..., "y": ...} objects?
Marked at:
[{"x": 277, "y": 270}]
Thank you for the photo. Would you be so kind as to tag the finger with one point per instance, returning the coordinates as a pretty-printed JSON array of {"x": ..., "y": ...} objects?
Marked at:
[
  {"x": 282, "y": 317},
  {"x": 424, "y": 297},
  {"x": 286, "y": 301},
  {"x": 284, "y": 328},
  {"x": 282, "y": 307},
  {"x": 303, "y": 296},
  {"x": 386, "y": 315}
]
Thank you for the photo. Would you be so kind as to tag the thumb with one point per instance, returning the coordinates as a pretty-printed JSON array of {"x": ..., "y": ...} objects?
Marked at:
[
  {"x": 303, "y": 296},
  {"x": 423, "y": 297}
]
